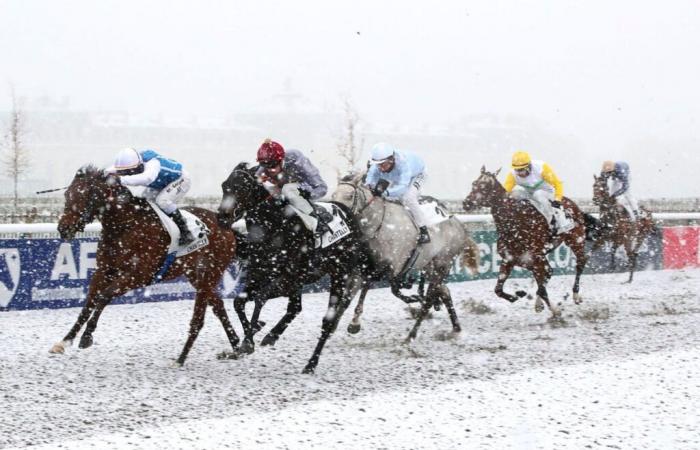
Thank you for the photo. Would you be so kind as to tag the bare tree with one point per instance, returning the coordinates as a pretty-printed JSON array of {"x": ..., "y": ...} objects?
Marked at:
[
  {"x": 349, "y": 149},
  {"x": 15, "y": 157}
]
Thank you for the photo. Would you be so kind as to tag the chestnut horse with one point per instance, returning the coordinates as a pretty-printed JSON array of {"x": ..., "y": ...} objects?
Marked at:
[
  {"x": 132, "y": 250},
  {"x": 617, "y": 226},
  {"x": 525, "y": 238}
]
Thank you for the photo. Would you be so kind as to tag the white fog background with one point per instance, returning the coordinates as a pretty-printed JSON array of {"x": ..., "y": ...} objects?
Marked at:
[{"x": 463, "y": 83}]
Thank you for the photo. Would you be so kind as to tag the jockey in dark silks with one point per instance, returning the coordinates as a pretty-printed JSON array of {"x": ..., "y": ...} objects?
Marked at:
[
  {"x": 291, "y": 175},
  {"x": 164, "y": 180},
  {"x": 617, "y": 175}
]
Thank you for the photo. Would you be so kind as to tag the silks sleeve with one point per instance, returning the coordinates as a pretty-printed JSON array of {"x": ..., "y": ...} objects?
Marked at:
[
  {"x": 509, "y": 184},
  {"x": 550, "y": 177}
]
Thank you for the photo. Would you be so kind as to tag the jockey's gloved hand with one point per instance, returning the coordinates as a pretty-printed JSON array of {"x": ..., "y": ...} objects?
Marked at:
[
  {"x": 305, "y": 194},
  {"x": 556, "y": 203}
]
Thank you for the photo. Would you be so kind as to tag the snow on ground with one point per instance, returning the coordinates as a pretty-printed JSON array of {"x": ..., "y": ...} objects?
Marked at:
[{"x": 620, "y": 371}]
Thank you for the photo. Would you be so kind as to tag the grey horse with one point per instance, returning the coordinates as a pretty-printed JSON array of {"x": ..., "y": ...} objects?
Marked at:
[{"x": 391, "y": 237}]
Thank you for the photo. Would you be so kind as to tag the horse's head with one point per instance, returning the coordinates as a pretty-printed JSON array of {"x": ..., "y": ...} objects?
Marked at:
[
  {"x": 486, "y": 190},
  {"x": 352, "y": 193},
  {"x": 240, "y": 192},
  {"x": 85, "y": 200},
  {"x": 601, "y": 196}
]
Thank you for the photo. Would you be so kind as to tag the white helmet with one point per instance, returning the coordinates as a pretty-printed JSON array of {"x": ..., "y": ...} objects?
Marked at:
[
  {"x": 126, "y": 159},
  {"x": 381, "y": 152}
]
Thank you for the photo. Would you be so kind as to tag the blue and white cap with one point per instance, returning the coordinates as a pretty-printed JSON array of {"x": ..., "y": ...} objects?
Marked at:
[{"x": 381, "y": 152}]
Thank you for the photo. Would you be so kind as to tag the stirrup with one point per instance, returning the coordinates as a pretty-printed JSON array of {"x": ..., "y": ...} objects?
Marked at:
[{"x": 423, "y": 237}]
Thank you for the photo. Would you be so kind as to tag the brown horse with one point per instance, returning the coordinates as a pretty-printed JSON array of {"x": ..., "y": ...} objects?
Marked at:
[
  {"x": 132, "y": 249},
  {"x": 617, "y": 226},
  {"x": 524, "y": 237}
]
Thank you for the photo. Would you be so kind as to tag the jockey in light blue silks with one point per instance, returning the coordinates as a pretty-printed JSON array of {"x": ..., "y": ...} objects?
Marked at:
[
  {"x": 405, "y": 172},
  {"x": 617, "y": 175},
  {"x": 164, "y": 180}
]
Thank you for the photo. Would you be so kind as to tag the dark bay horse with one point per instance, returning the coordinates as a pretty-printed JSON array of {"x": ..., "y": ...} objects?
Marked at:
[
  {"x": 132, "y": 249},
  {"x": 281, "y": 258},
  {"x": 525, "y": 239},
  {"x": 618, "y": 228}
]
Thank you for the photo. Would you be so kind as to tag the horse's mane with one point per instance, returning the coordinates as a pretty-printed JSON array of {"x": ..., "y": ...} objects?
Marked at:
[
  {"x": 94, "y": 174},
  {"x": 90, "y": 171}
]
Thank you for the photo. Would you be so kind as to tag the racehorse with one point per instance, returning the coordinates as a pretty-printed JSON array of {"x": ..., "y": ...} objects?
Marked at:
[
  {"x": 132, "y": 250},
  {"x": 524, "y": 237},
  {"x": 282, "y": 257},
  {"x": 391, "y": 237},
  {"x": 617, "y": 226}
]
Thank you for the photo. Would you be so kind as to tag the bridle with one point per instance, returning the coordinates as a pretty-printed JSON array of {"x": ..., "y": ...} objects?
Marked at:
[
  {"x": 254, "y": 182},
  {"x": 355, "y": 210}
]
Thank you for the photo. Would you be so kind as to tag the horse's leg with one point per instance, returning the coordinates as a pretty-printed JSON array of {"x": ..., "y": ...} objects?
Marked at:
[
  {"x": 98, "y": 280},
  {"x": 85, "y": 312},
  {"x": 354, "y": 325},
  {"x": 543, "y": 272},
  {"x": 293, "y": 309},
  {"x": 342, "y": 292},
  {"x": 196, "y": 324},
  {"x": 239, "y": 306},
  {"x": 248, "y": 344},
  {"x": 613, "y": 250},
  {"x": 579, "y": 250},
  {"x": 446, "y": 297},
  {"x": 422, "y": 313},
  {"x": 503, "y": 274}
]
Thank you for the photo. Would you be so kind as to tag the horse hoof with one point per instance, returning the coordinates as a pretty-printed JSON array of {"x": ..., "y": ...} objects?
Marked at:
[
  {"x": 308, "y": 370},
  {"x": 85, "y": 342},
  {"x": 246, "y": 348},
  {"x": 176, "y": 365},
  {"x": 520, "y": 294},
  {"x": 457, "y": 329},
  {"x": 354, "y": 328},
  {"x": 228, "y": 355},
  {"x": 269, "y": 340},
  {"x": 58, "y": 349},
  {"x": 577, "y": 298}
]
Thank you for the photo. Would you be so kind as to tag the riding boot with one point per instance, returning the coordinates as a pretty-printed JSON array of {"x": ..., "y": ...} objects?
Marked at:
[
  {"x": 424, "y": 236},
  {"x": 186, "y": 237}
]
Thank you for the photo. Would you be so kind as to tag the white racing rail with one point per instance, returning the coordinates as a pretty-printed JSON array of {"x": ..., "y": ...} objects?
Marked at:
[{"x": 43, "y": 228}]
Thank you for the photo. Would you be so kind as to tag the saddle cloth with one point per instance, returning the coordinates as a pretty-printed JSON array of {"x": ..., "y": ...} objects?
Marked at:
[
  {"x": 338, "y": 227},
  {"x": 432, "y": 209},
  {"x": 198, "y": 229}
]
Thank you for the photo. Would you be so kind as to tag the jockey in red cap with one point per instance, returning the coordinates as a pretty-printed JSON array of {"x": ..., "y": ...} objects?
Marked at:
[{"x": 297, "y": 179}]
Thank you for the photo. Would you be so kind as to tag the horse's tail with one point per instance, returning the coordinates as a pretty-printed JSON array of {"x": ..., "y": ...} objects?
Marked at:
[{"x": 470, "y": 253}]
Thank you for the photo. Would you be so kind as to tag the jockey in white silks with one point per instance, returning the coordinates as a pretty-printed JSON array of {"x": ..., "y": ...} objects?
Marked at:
[
  {"x": 617, "y": 176},
  {"x": 405, "y": 172},
  {"x": 164, "y": 180},
  {"x": 292, "y": 175},
  {"x": 536, "y": 181}
]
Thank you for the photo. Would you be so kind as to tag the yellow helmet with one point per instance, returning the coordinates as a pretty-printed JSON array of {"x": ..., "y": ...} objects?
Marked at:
[
  {"x": 520, "y": 160},
  {"x": 608, "y": 166}
]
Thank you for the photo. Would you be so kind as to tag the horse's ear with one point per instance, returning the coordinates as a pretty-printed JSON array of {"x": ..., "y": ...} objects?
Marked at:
[
  {"x": 241, "y": 166},
  {"x": 495, "y": 174},
  {"x": 483, "y": 169}
]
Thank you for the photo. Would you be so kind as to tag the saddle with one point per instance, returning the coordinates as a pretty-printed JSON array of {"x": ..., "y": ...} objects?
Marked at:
[{"x": 198, "y": 229}]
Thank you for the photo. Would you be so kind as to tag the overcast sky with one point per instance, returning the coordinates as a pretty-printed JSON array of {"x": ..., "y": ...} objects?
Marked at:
[{"x": 608, "y": 73}]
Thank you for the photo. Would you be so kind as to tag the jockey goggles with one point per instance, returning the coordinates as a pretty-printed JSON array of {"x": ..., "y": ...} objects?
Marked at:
[{"x": 269, "y": 164}]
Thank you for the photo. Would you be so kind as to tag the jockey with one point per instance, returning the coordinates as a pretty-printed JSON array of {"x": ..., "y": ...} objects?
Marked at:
[
  {"x": 617, "y": 175},
  {"x": 297, "y": 180},
  {"x": 536, "y": 181},
  {"x": 405, "y": 172},
  {"x": 164, "y": 180}
]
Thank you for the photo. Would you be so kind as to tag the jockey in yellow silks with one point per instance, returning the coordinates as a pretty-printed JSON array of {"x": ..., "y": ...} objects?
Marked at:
[{"x": 535, "y": 181}]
